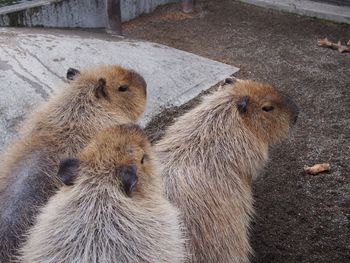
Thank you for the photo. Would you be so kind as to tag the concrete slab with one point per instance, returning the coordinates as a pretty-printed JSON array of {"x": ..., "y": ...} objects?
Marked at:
[
  {"x": 330, "y": 12},
  {"x": 34, "y": 61},
  {"x": 71, "y": 13}
]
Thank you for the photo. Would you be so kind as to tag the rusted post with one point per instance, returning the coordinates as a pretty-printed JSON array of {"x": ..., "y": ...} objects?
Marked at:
[
  {"x": 113, "y": 17},
  {"x": 188, "y": 6}
]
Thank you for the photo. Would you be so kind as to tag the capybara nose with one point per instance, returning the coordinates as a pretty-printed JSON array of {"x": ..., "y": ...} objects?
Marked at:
[
  {"x": 129, "y": 177},
  {"x": 130, "y": 170},
  {"x": 295, "y": 113},
  {"x": 141, "y": 80},
  {"x": 293, "y": 109}
]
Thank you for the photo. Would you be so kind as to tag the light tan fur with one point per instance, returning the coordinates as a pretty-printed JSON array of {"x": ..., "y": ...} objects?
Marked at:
[
  {"x": 58, "y": 129},
  {"x": 95, "y": 221},
  {"x": 209, "y": 158}
]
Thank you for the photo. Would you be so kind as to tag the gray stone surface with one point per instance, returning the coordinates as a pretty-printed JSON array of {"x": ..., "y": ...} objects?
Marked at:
[
  {"x": 330, "y": 12},
  {"x": 335, "y": 2},
  {"x": 33, "y": 62},
  {"x": 71, "y": 13}
]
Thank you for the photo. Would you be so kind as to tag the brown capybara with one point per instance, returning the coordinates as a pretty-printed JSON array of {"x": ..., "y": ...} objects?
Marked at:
[
  {"x": 209, "y": 158},
  {"x": 96, "y": 98},
  {"x": 111, "y": 209}
]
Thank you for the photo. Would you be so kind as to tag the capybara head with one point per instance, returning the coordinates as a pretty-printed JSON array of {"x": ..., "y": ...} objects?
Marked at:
[
  {"x": 267, "y": 112},
  {"x": 113, "y": 86},
  {"x": 118, "y": 158}
]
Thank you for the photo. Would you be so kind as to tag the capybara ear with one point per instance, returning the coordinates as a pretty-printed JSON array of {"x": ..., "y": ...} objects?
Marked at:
[
  {"x": 100, "y": 88},
  {"x": 128, "y": 178},
  {"x": 72, "y": 73},
  {"x": 230, "y": 80},
  {"x": 242, "y": 104},
  {"x": 68, "y": 170}
]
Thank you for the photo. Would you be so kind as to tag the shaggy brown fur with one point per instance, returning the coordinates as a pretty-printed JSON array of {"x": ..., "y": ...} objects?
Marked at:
[
  {"x": 113, "y": 209},
  {"x": 98, "y": 97},
  {"x": 209, "y": 158}
]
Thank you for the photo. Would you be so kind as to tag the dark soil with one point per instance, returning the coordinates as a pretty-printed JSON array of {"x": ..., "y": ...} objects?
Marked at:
[{"x": 299, "y": 217}]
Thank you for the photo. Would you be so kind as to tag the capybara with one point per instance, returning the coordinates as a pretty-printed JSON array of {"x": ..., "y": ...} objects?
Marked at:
[
  {"x": 111, "y": 208},
  {"x": 209, "y": 158},
  {"x": 95, "y": 98}
]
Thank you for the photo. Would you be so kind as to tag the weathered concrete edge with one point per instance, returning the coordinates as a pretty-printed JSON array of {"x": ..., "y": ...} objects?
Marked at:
[
  {"x": 71, "y": 13},
  {"x": 193, "y": 84},
  {"x": 189, "y": 95},
  {"x": 340, "y": 14}
]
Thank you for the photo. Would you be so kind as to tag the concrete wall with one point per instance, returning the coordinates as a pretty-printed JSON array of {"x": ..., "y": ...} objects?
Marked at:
[
  {"x": 71, "y": 13},
  {"x": 340, "y": 14}
]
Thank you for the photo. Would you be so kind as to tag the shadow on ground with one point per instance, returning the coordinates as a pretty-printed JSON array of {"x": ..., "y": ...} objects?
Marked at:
[{"x": 300, "y": 218}]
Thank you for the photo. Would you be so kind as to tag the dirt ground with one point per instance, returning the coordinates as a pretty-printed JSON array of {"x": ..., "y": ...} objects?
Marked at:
[{"x": 299, "y": 217}]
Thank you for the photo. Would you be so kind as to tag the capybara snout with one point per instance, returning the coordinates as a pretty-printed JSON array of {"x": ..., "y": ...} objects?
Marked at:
[{"x": 292, "y": 108}]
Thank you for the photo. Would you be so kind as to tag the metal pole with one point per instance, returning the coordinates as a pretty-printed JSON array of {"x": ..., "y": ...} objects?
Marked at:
[
  {"x": 113, "y": 17},
  {"x": 188, "y": 6}
]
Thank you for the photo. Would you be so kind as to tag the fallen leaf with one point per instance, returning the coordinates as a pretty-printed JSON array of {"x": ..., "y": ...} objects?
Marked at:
[
  {"x": 324, "y": 42},
  {"x": 338, "y": 46},
  {"x": 317, "y": 168}
]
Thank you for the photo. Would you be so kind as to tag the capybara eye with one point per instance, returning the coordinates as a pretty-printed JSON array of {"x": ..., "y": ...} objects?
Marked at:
[
  {"x": 123, "y": 88},
  {"x": 267, "y": 108}
]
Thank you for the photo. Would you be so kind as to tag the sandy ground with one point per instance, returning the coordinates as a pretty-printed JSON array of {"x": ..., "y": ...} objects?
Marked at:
[{"x": 300, "y": 218}]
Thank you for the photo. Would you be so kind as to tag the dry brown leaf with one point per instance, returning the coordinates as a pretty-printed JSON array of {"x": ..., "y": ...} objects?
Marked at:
[
  {"x": 338, "y": 46},
  {"x": 317, "y": 168},
  {"x": 324, "y": 42}
]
